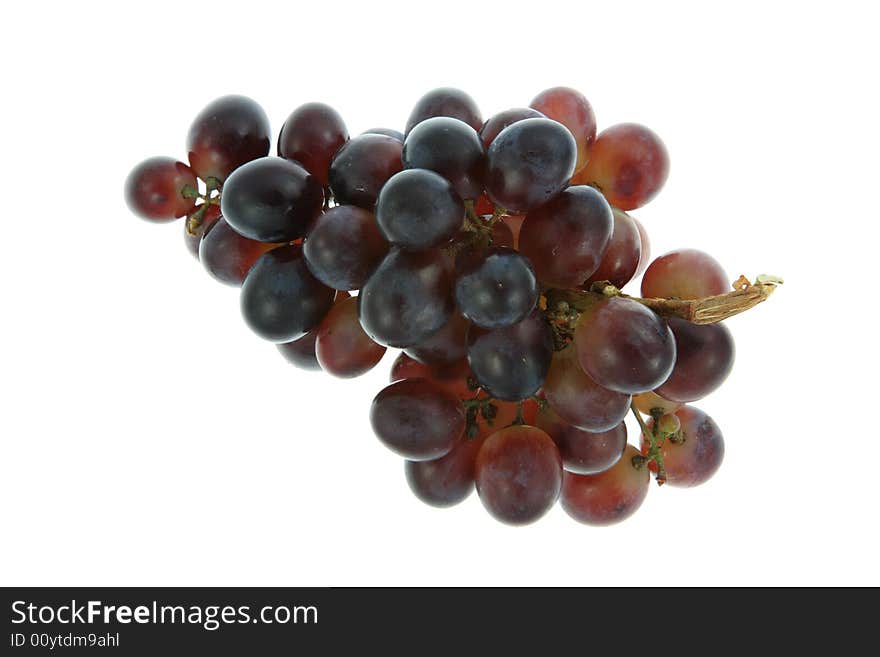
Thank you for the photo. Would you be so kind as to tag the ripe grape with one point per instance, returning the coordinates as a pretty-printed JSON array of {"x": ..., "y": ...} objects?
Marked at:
[
  {"x": 407, "y": 298},
  {"x": 645, "y": 243},
  {"x": 227, "y": 256},
  {"x": 580, "y": 401},
  {"x": 624, "y": 346},
  {"x": 511, "y": 362},
  {"x": 566, "y": 238},
  {"x": 362, "y": 167},
  {"x": 344, "y": 246},
  {"x": 192, "y": 238},
  {"x": 445, "y": 101},
  {"x": 451, "y": 148},
  {"x": 528, "y": 163},
  {"x": 607, "y": 497},
  {"x": 301, "y": 352},
  {"x": 229, "y": 132},
  {"x": 280, "y": 299},
  {"x": 684, "y": 274},
  {"x": 153, "y": 189},
  {"x": 311, "y": 135},
  {"x": 271, "y": 200},
  {"x": 448, "y": 480},
  {"x": 649, "y": 401},
  {"x": 622, "y": 257},
  {"x": 417, "y": 419},
  {"x": 694, "y": 459},
  {"x": 496, "y": 288},
  {"x": 704, "y": 359},
  {"x": 342, "y": 347},
  {"x": 388, "y": 132},
  {"x": 446, "y": 346},
  {"x": 419, "y": 209},
  {"x": 495, "y": 124},
  {"x": 584, "y": 452},
  {"x": 518, "y": 474},
  {"x": 628, "y": 163},
  {"x": 572, "y": 110}
]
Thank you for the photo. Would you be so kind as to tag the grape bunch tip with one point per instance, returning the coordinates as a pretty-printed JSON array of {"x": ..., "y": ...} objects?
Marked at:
[{"x": 494, "y": 253}]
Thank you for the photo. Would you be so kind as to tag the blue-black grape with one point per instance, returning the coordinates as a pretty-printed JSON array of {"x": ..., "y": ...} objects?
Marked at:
[
  {"x": 362, "y": 166},
  {"x": 445, "y": 101},
  {"x": 388, "y": 132},
  {"x": 451, "y": 148},
  {"x": 496, "y": 287}
]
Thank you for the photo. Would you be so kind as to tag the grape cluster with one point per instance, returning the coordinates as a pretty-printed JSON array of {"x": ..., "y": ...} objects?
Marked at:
[{"x": 492, "y": 253}]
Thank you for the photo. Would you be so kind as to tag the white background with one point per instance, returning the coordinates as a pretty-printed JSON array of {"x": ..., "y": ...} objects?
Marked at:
[{"x": 149, "y": 438}]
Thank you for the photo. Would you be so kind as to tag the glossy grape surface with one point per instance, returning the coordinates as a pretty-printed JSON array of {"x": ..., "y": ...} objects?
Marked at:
[
  {"x": 311, "y": 135},
  {"x": 229, "y": 132},
  {"x": 342, "y": 348},
  {"x": 518, "y": 474},
  {"x": 280, "y": 299},
  {"x": 511, "y": 363},
  {"x": 227, "y": 256},
  {"x": 704, "y": 359},
  {"x": 445, "y": 101},
  {"x": 271, "y": 200},
  {"x": 528, "y": 163},
  {"x": 344, "y": 246},
  {"x": 362, "y": 167},
  {"x": 194, "y": 237},
  {"x": 153, "y": 189},
  {"x": 407, "y": 298},
  {"x": 584, "y": 452},
  {"x": 622, "y": 257},
  {"x": 566, "y": 238},
  {"x": 694, "y": 460},
  {"x": 446, "y": 346},
  {"x": 685, "y": 274},
  {"x": 419, "y": 209},
  {"x": 301, "y": 352},
  {"x": 388, "y": 132},
  {"x": 572, "y": 110},
  {"x": 628, "y": 163},
  {"x": 417, "y": 419},
  {"x": 451, "y": 148},
  {"x": 496, "y": 288},
  {"x": 448, "y": 480},
  {"x": 645, "y": 243},
  {"x": 496, "y": 123},
  {"x": 624, "y": 346},
  {"x": 580, "y": 401},
  {"x": 607, "y": 497}
]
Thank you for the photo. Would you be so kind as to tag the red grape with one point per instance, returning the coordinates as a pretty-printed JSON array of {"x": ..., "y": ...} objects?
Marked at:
[
  {"x": 566, "y": 237},
  {"x": 572, "y": 110},
  {"x": 446, "y": 346},
  {"x": 362, "y": 166},
  {"x": 445, "y": 101},
  {"x": 694, "y": 459},
  {"x": 579, "y": 400},
  {"x": 704, "y": 359},
  {"x": 495, "y": 124},
  {"x": 518, "y": 474},
  {"x": 684, "y": 274},
  {"x": 645, "y": 243},
  {"x": 311, "y": 135},
  {"x": 622, "y": 257},
  {"x": 192, "y": 238},
  {"x": 451, "y": 148},
  {"x": 228, "y": 256},
  {"x": 583, "y": 452},
  {"x": 448, "y": 480},
  {"x": 607, "y": 497},
  {"x": 624, "y": 346},
  {"x": 388, "y": 132},
  {"x": 301, "y": 352},
  {"x": 230, "y": 131},
  {"x": 628, "y": 163},
  {"x": 342, "y": 347},
  {"x": 417, "y": 419},
  {"x": 153, "y": 189}
]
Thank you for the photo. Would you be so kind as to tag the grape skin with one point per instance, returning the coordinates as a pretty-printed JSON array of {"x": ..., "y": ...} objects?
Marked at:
[
  {"x": 704, "y": 359},
  {"x": 495, "y": 124},
  {"x": 362, "y": 166},
  {"x": 697, "y": 458},
  {"x": 451, "y": 148},
  {"x": 311, "y": 136},
  {"x": 342, "y": 348},
  {"x": 572, "y": 110},
  {"x": 684, "y": 274},
  {"x": 301, "y": 352},
  {"x": 388, "y": 132},
  {"x": 622, "y": 257},
  {"x": 584, "y": 452},
  {"x": 607, "y": 497},
  {"x": 445, "y": 101},
  {"x": 153, "y": 189},
  {"x": 192, "y": 238},
  {"x": 227, "y": 256},
  {"x": 446, "y": 346},
  {"x": 497, "y": 288},
  {"x": 446, "y": 481}
]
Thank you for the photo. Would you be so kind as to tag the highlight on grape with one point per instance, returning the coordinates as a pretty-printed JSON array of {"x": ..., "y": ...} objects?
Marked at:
[{"x": 493, "y": 254}]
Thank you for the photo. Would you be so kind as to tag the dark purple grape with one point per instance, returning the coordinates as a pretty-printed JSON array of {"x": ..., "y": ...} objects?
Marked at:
[
  {"x": 566, "y": 238},
  {"x": 342, "y": 347},
  {"x": 584, "y": 452},
  {"x": 451, "y": 148},
  {"x": 301, "y": 352},
  {"x": 624, "y": 252},
  {"x": 311, "y": 135},
  {"x": 408, "y": 298},
  {"x": 418, "y": 209},
  {"x": 511, "y": 363},
  {"x": 271, "y": 200},
  {"x": 344, "y": 246},
  {"x": 495, "y": 124},
  {"x": 446, "y": 346},
  {"x": 572, "y": 110},
  {"x": 153, "y": 189},
  {"x": 497, "y": 288},
  {"x": 692, "y": 460},
  {"x": 445, "y": 101},
  {"x": 448, "y": 480},
  {"x": 530, "y": 161},
  {"x": 229, "y": 132},
  {"x": 388, "y": 132},
  {"x": 193, "y": 236},
  {"x": 417, "y": 419},
  {"x": 607, "y": 497},
  {"x": 280, "y": 299},
  {"x": 361, "y": 168},
  {"x": 704, "y": 359},
  {"x": 227, "y": 256},
  {"x": 624, "y": 346},
  {"x": 518, "y": 474}
]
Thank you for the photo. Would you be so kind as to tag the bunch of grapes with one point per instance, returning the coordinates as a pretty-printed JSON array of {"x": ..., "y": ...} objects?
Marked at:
[{"x": 493, "y": 254}]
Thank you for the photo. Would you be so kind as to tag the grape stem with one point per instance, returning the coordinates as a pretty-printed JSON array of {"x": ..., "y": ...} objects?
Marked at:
[{"x": 655, "y": 442}]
